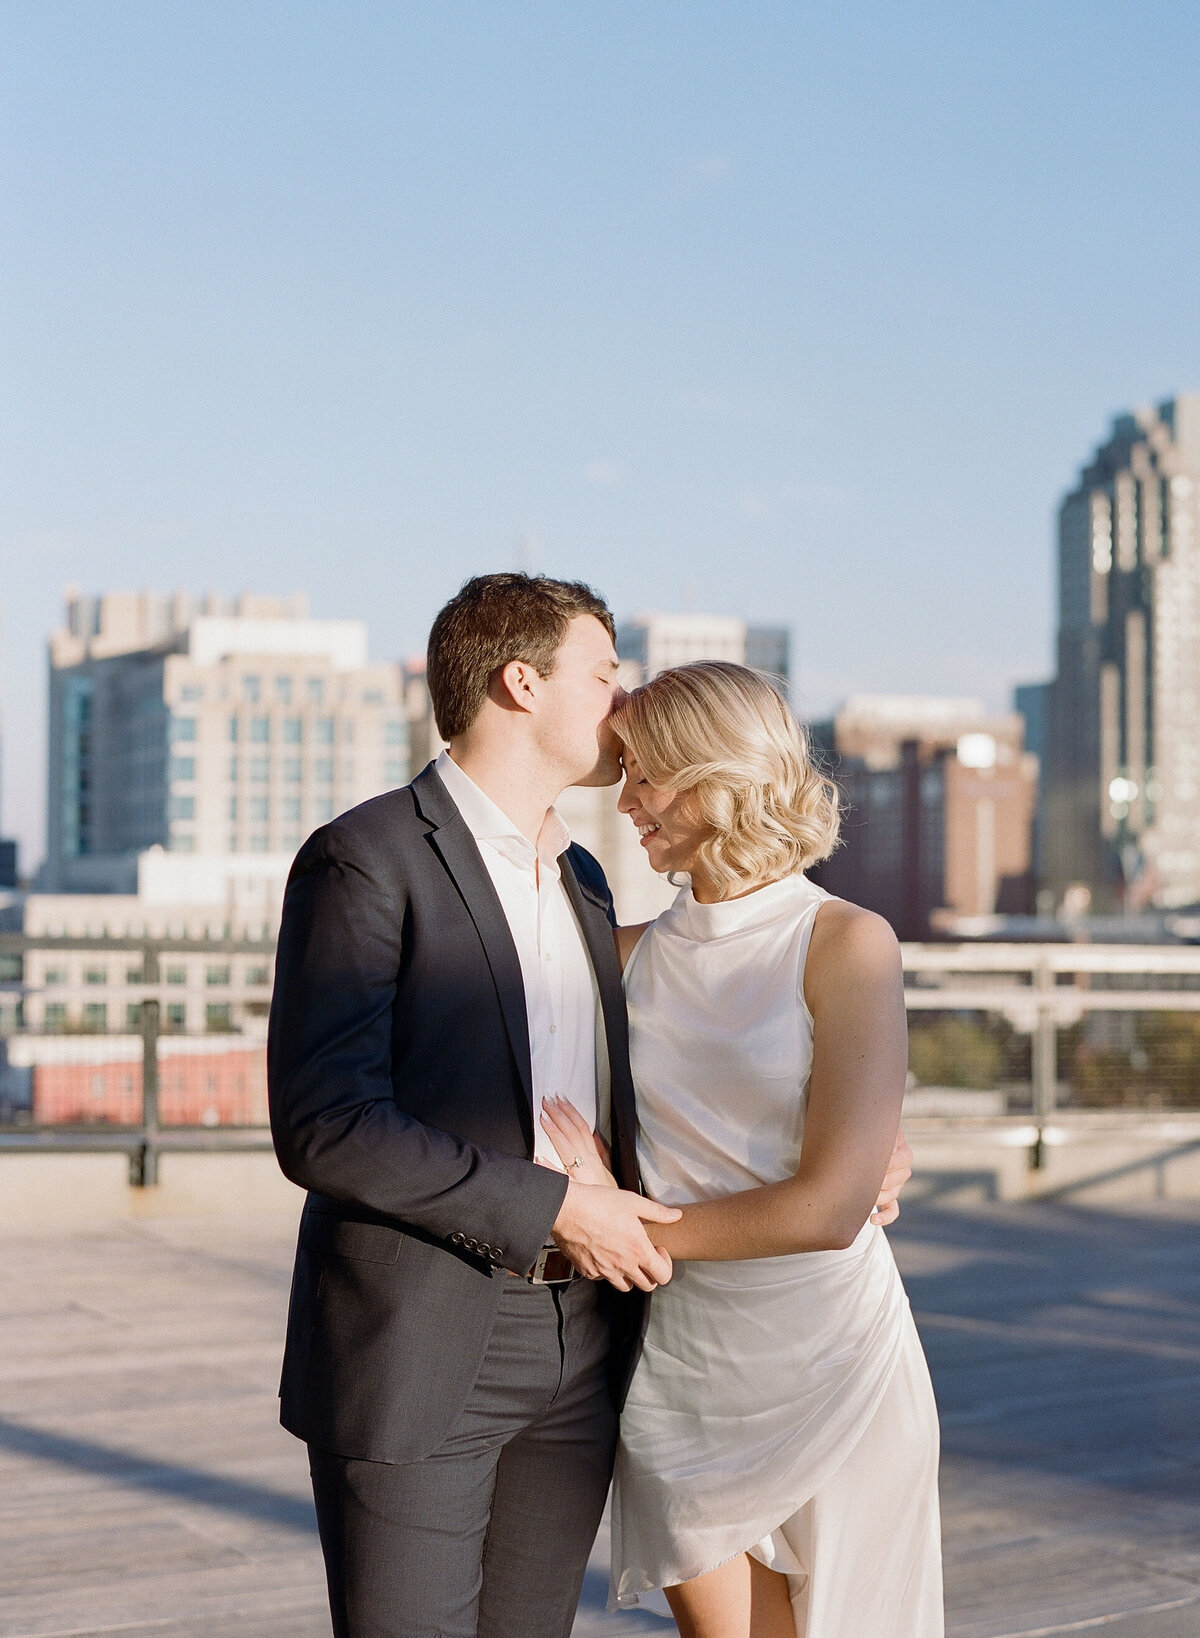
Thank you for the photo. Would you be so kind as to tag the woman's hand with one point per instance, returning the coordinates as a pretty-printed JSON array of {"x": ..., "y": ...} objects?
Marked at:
[{"x": 584, "y": 1153}]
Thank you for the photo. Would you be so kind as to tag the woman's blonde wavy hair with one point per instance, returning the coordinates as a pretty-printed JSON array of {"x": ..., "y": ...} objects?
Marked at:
[{"x": 724, "y": 734}]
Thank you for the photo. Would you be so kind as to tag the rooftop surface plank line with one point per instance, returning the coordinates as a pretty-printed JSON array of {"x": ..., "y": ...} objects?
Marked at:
[{"x": 146, "y": 1487}]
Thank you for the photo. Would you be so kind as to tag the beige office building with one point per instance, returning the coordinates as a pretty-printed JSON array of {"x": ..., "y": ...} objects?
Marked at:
[{"x": 208, "y": 728}]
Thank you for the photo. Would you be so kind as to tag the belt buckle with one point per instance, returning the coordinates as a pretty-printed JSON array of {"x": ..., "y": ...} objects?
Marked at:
[{"x": 556, "y": 1258}]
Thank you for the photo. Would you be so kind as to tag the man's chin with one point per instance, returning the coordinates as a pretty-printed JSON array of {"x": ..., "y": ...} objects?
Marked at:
[
  {"x": 605, "y": 771},
  {"x": 601, "y": 775}
]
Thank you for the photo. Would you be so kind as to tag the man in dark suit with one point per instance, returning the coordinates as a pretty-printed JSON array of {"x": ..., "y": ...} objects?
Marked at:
[{"x": 446, "y": 962}]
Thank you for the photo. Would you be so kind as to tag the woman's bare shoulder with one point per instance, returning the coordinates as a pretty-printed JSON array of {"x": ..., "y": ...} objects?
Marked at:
[
  {"x": 849, "y": 941},
  {"x": 626, "y": 938}
]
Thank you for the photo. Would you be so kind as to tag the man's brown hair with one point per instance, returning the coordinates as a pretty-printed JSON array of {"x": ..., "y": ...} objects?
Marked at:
[{"x": 494, "y": 619}]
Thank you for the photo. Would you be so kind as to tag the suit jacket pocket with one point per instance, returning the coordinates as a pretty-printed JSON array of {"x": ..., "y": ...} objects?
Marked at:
[{"x": 344, "y": 1237}]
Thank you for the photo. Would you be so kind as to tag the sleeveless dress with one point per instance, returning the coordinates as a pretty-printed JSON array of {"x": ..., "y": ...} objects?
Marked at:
[{"x": 781, "y": 1405}]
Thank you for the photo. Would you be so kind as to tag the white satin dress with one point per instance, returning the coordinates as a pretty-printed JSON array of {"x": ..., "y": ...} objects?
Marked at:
[{"x": 781, "y": 1406}]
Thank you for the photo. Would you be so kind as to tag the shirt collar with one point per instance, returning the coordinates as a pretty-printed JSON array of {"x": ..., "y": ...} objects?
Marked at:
[{"x": 489, "y": 823}]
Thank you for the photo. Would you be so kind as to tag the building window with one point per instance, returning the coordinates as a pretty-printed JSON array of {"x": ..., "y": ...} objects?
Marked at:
[
  {"x": 258, "y": 975},
  {"x": 260, "y": 768},
  {"x": 193, "y": 692},
  {"x": 181, "y": 807},
  {"x": 260, "y": 730},
  {"x": 260, "y": 844},
  {"x": 393, "y": 731},
  {"x": 260, "y": 808},
  {"x": 393, "y": 771},
  {"x": 289, "y": 807},
  {"x": 182, "y": 767},
  {"x": 233, "y": 730},
  {"x": 176, "y": 975},
  {"x": 315, "y": 689},
  {"x": 233, "y": 807},
  {"x": 55, "y": 975},
  {"x": 372, "y": 697},
  {"x": 293, "y": 730},
  {"x": 182, "y": 728},
  {"x": 348, "y": 771},
  {"x": 323, "y": 730},
  {"x": 183, "y": 844},
  {"x": 95, "y": 1017},
  {"x": 323, "y": 770},
  {"x": 218, "y": 1017},
  {"x": 54, "y": 1018},
  {"x": 176, "y": 1015},
  {"x": 323, "y": 810},
  {"x": 133, "y": 1016},
  {"x": 134, "y": 975},
  {"x": 291, "y": 770},
  {"x": 347, "y": 731},
  {"x": 216, "y": 975},
  {"x": 283, "y": 690},
  {"x": 96, "y": 975},
  {"x": 251, "y": 688}
]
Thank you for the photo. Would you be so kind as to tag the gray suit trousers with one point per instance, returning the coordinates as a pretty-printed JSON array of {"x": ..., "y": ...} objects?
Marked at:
[{"x": 489, "y": 1536}]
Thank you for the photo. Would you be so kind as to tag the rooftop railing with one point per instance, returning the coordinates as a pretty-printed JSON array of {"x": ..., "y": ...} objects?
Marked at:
[
  {"x": 147, "y": 1139},
  {"x": 1028, "y": 1030}
]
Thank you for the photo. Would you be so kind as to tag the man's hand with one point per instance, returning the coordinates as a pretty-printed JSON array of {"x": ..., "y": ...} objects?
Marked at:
[
  {"x": 600, "y": 1229},
  {"x": 887, "y": 1207}
]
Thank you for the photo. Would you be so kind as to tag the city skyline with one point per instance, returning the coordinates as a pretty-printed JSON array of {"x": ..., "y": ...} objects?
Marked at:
[{"x": 801, "y": 319}]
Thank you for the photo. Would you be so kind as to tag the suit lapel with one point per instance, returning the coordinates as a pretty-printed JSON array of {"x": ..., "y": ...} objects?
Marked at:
[
  {"x": 598, "y": 936},
  {"x": 457, "y": 849}
]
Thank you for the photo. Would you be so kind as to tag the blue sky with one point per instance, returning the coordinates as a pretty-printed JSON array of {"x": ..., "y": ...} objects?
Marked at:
[{"x": 804, "y": 313}]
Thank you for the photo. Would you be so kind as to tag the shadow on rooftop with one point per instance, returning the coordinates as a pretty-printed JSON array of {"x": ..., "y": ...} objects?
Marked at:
[
  {"x": 1063, "y": 1339},
  {"x": 173, "y": 1479}
]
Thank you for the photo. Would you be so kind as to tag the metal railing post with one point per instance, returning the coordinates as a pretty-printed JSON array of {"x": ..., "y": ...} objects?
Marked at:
[
  {"x": 143, "y": 1170},
  {"x": 1043, "y": 1066}
]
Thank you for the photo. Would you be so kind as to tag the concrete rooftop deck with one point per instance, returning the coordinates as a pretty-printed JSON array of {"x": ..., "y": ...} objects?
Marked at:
[{"x": 146, "y": 1488}]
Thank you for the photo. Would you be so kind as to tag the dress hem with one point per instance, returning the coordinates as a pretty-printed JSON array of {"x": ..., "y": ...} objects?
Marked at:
[{"x": 617, "y": 1603}]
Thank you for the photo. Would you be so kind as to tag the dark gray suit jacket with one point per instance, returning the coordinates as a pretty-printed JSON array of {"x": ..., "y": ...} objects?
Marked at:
[{"x": 401, "y": 1099}]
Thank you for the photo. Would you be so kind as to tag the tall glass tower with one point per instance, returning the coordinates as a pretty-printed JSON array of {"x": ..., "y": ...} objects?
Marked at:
[{"x": 1122, "y": 807}]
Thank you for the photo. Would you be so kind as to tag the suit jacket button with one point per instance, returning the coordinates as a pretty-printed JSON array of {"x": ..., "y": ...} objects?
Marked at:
[{"x": 456, "y": 1239}]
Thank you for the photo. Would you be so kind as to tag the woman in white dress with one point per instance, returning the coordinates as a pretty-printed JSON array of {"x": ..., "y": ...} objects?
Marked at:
[{"x": 777, "y": 1472}]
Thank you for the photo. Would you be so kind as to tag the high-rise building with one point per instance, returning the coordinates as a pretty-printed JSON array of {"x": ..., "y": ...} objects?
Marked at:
[
  {"x": 656, "y": 642},
  {"x": 8, "y": 847},
  {"x": 1122, "y": 773},
  {"x": 768, "y": 648},
  {"x": 1031, "y": 702},
  {"x": 938, "y": 802},
  {"x": 208, "y": 728}
]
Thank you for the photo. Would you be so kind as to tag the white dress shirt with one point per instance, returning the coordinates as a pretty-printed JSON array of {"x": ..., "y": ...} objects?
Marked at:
[{"x": 567, "y": 1045}]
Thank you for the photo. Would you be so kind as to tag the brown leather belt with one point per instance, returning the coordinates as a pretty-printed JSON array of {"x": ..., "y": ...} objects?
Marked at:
[{"x": 552, "y": 1267}]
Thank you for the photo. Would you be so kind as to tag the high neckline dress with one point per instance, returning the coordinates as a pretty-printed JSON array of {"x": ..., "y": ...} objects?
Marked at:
[{"x": 782, "y": 1405}]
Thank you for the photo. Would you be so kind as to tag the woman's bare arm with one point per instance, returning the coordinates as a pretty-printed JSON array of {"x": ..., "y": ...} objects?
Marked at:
[
  {"x": 626, "y": 938},
  {"x": 855, "y": 990}
]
